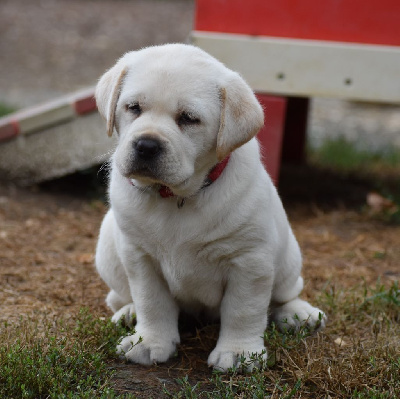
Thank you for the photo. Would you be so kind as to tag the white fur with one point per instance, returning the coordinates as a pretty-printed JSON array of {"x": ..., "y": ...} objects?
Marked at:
[{"x": 229, "y": 251}]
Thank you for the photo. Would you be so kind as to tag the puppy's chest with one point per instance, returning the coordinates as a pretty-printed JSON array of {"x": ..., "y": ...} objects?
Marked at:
[
  {"x": 193, "y": 275},
  {"x": 192, "y": 254}
]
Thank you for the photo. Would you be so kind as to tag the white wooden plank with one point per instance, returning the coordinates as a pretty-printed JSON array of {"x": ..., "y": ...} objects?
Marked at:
[{"x": 307, "y": 67}]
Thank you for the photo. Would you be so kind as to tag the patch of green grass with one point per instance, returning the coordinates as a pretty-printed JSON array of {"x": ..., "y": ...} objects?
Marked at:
[
  {"x": 58, "y": 359},
  {"x": 6, "y": 109},
  {"x": 381, "y": 169},
  {"x": 342, "y": 155}
]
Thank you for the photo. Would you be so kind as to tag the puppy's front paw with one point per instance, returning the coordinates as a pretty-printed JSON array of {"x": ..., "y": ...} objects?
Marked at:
[
  {"x": 145, "y": 350},
  {"x": 244, "y": 359},
  {"x": 297, "y": 313}
]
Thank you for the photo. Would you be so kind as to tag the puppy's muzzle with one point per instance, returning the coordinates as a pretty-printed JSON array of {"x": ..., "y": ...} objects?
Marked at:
[
  {"x": 147, "y": 149},
  {"x": 147, "y": 157}
]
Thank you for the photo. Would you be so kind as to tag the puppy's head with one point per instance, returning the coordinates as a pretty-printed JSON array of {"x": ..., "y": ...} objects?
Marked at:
[{"x": 177, "y": 112}]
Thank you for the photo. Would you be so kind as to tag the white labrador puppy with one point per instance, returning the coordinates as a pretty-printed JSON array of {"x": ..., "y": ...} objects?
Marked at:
[{"x": 195, "y": 222}]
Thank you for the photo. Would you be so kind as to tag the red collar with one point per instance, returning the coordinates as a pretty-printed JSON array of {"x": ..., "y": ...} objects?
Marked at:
[{"x": 215, "y": 172}]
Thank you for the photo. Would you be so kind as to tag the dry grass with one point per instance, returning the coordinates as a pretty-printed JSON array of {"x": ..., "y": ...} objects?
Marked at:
[
  {"x": 351, "y": 268},
  {"x": 356, "y": 356}
]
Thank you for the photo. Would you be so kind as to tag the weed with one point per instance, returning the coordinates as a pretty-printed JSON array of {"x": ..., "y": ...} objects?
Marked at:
[
  {"x": 187, "y": 390},
  {"x": 58, "y": 359}
]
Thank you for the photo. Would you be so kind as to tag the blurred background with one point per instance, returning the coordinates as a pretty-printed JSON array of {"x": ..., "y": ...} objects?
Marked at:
[{"x": 53, "y": 47}]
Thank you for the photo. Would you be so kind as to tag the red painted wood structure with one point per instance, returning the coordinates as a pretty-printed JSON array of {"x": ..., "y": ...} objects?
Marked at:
[{"x": 299, "y": 49}]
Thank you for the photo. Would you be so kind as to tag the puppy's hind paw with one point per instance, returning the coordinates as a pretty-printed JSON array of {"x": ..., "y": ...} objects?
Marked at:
[
  {"x": 126, "y": 315},
  {"x": 298, "y": 313}
]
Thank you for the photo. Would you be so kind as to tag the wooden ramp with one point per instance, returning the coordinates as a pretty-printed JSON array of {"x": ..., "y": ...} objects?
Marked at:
[{"x": 53, "y": 139}]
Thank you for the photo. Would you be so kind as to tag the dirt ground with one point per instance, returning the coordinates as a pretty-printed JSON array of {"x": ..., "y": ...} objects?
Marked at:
[{"x": 48, "y": 237}]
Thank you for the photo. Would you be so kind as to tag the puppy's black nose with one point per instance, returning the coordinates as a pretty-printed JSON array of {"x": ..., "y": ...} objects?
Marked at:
[{"x": 147, "y": 148}]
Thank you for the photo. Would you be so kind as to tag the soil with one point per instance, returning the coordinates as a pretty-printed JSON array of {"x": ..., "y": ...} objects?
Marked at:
[{"x": 48, "y": 236}]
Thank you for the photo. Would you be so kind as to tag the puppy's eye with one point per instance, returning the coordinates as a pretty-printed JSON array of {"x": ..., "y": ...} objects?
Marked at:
[
  {"x": 186, "y": 118},
  {"x": 134, "y": 108}
]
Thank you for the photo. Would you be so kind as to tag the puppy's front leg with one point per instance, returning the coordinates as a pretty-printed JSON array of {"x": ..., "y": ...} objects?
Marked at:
[
  {"x": 156, "y": 332},
  {"x": 243, "y": 316}
]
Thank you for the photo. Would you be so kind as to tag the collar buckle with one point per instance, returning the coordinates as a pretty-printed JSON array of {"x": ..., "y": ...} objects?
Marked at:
[{"x": 181, "y": 201}]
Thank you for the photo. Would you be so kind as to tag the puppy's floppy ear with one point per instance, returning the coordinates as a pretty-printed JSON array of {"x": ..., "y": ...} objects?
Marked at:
[
  {"x": 241, "y": 116},
  {"x": 107, "y": 93}
]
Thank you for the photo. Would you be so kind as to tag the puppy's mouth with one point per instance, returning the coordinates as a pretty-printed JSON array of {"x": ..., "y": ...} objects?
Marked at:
[
  {"x": 155, "y": 174},
  {"x": 143, "y": 178},
  {"x": 145, "y": 175},
  {"x": 148, "y": 175}
]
